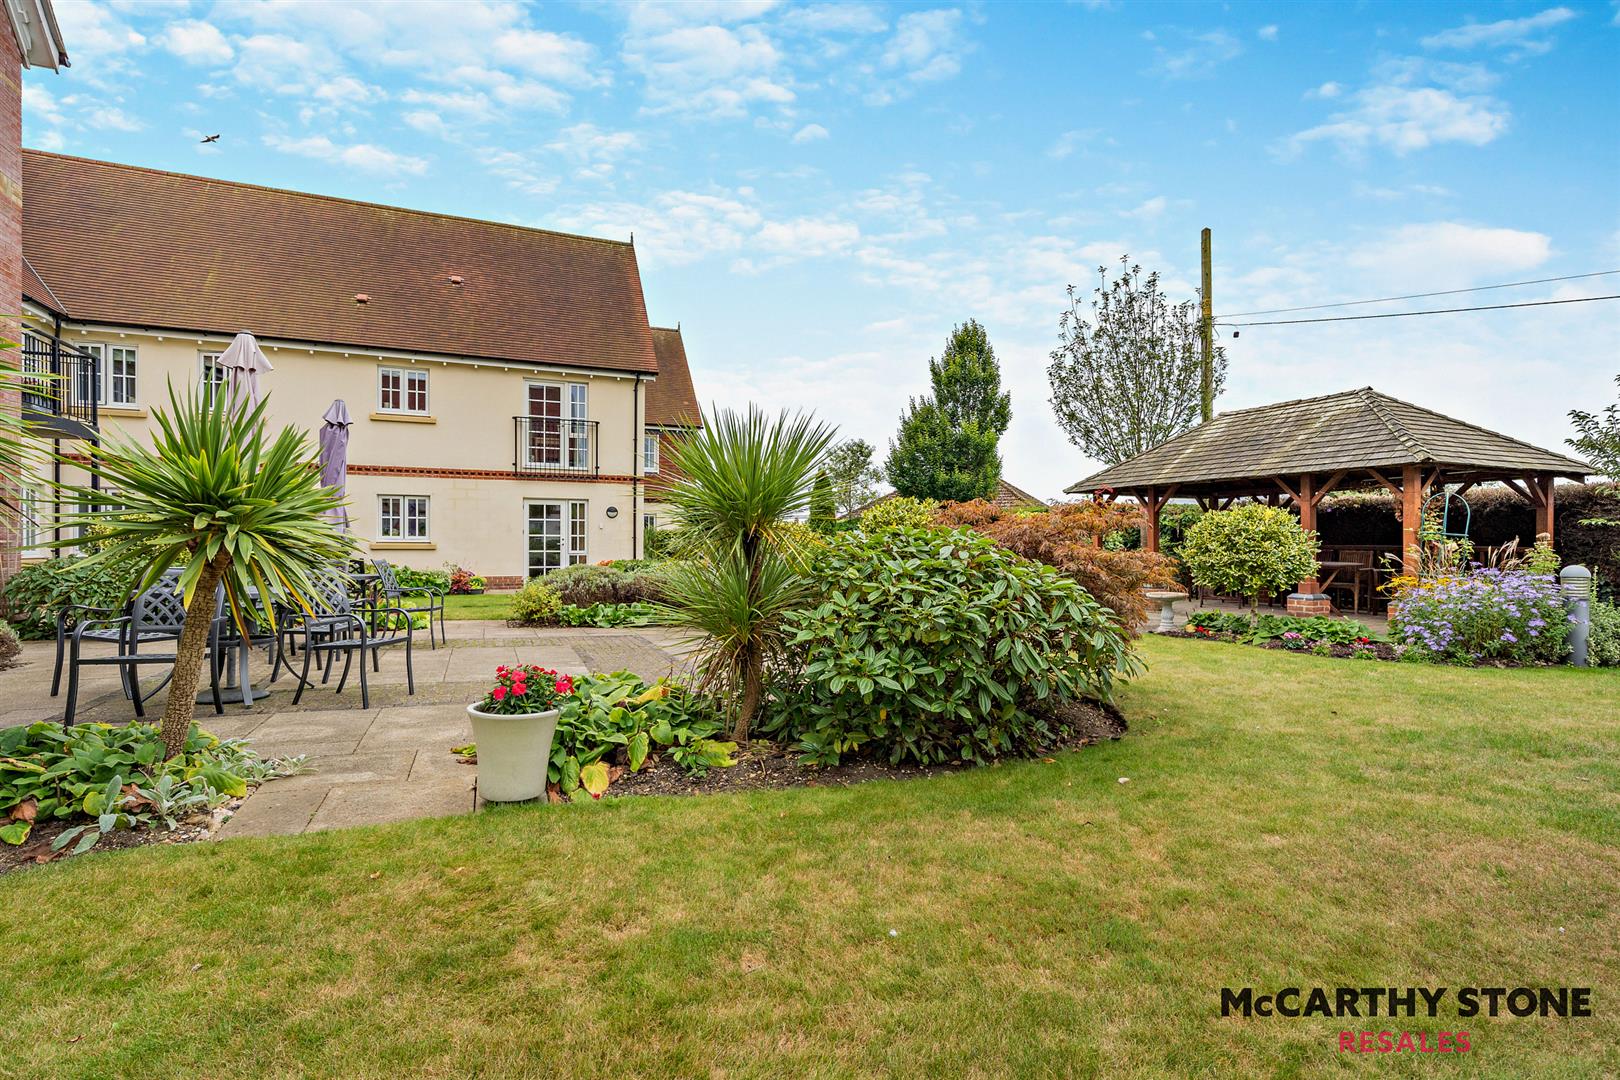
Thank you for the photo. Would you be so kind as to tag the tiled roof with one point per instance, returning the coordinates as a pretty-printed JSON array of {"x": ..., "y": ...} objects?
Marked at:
[
  {"x": 671, "y": 400},
  {"x": 137, "y": 247},
  {"x": 1355, "y": 429}
]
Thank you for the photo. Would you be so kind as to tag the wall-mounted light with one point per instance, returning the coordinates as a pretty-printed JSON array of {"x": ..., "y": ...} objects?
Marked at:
[{"x": 612, "y": 512}]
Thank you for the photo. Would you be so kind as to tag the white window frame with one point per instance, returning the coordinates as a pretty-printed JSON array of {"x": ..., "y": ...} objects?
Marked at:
[
  {"x": 407, "y": 374},
  {"x": 649, "y": 451},
  {"x": 574, "y": 548},
  {"x": 407, "y": 508},
  {"x": 106, "y": 381},
  {"x": 211, "y": 377},
  {"x": 30, "y": 530},
  {"x": 649, "y": 523}
]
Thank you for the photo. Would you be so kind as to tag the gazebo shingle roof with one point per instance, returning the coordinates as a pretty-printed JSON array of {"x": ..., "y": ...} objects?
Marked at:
[{"x": 1356, "y": 429}]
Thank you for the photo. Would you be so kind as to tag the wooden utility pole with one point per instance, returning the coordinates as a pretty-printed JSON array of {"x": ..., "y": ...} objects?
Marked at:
[{"x": 1206, "y": 335}]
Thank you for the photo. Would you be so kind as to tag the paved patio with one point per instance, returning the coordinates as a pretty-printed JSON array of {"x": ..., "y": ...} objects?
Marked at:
[{"x": 391, "y": 762}]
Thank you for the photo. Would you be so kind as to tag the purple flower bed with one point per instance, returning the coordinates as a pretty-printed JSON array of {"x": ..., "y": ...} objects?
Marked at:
[{"x": 1509, "y": 616}]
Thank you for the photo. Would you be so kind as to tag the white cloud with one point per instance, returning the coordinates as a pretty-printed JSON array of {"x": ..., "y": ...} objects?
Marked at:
[
  {"x": 1526, "y": 36},
  {"x": 548, "y": 57},
  {"x": 594, "y": 152},
  {"x": 1067, "y": 143},
  {"x": 927, "y": 46},
  {"x": 1267, "y": 33},
  {"x": 809, "y": 133},
  {"x": 709, "y": 70},
  {"x": 1326, "y": 90},
  {"x": 1199, "y": 57},
  {"x": 197, "y": 42},
  {"x": 1149, "y": 209},
  {"x": 1412, "y": 105},
  {"x": 837, "y": 18},
  {"x": 808, "y": 237},
  {"x": 365, "y": 157},
  {"x": 1448, "y": 254}
]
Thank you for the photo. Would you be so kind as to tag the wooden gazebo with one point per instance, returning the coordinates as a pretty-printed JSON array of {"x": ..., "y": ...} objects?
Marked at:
[{"x": 1295, "y": 452}]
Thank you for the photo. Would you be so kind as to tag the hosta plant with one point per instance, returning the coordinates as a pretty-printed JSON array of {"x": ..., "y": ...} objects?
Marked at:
[
  {"x": 117, "y": 776},
  {"x": 624, "y": 715}
]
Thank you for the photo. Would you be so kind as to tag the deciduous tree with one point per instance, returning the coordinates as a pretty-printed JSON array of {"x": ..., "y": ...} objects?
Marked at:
[
  {"x": 854, "y": 478},
  {"x": 1127, "y": 378}
]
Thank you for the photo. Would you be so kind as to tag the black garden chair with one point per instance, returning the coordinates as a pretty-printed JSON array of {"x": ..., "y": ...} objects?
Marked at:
[
  {"x": 416, "y": 599},
  {"x": 335, "y": 623},
  {"x": 155, "y": 615}
]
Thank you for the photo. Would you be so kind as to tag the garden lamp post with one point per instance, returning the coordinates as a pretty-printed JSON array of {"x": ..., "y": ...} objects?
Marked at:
[{"x": 1577, "y": 585}]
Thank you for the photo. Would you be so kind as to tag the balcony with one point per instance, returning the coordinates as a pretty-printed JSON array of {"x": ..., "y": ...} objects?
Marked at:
[
  {"x": 544, "y": 446},
  {"x": 60, "y": 387}
]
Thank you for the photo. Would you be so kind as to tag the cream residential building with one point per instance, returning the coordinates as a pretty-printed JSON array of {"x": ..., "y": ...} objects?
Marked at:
[{"x": 510, "y": 401}]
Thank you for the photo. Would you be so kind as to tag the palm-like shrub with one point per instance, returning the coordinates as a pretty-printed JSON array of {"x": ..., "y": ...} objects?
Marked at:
[
  {"x": 1249, "y": 550},
  {"x": 741, "y": 476},
  {"x": 240, "y": 509}
]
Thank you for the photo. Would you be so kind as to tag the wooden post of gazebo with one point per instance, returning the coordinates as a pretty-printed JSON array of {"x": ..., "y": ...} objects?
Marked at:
[
  {"x": 1411, "y": 497},
  {"x": 1308, "y": 599}
]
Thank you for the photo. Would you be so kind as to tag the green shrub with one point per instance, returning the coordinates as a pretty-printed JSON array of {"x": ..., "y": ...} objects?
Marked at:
[
  {"x": 1317, "y": 628},
  {"x": 34, "y": 593},
  {"x": 622, "y": 582},
  {"x": 1249, "y": 550},
  {"x": 413, "y": 579},
  {"x": 939, "y": 645},
  {"x": 115, "y": 776},
  {"x": 10, "y": 647},
  {"x": 536, "y": 604},
  {"x": 1603, "y": 641},
  {"x": 662, "y": 542},
  {"x": 899, "y": 512}
]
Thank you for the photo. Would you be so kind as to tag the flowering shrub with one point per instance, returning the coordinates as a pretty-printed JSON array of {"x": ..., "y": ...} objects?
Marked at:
[
  {"x": 525, "y": 688},
  {"x": 464, "y": 581},
  {"x": 1486, "y": 614}
]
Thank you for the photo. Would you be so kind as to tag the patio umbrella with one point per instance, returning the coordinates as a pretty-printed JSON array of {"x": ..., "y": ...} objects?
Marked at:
[
  {"x": 335, "y": 454},
  {"x": 242, "y": 361}
]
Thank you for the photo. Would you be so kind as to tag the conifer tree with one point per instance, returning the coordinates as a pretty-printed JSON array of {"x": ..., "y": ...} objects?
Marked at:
[{"x": 946, "y": 447}]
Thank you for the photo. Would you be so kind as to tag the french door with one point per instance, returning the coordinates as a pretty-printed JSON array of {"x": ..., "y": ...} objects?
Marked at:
[
  {"x": 558, "y": 434},
  {"x": 556, "y": 535}
]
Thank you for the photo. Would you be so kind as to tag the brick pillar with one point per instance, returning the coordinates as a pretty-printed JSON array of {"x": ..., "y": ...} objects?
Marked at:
[
  {"x": 10, "y": 269},
  {"x": 1308, "y": 599}
]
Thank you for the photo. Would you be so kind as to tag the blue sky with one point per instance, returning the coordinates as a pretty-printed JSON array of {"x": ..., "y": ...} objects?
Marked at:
[{"x": 819, "y": 192}]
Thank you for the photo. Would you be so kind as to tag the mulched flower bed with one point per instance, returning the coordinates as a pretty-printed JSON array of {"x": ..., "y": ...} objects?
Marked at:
[
  {"x": 764, "y": 765},
  {"x": 1380, "y": 650},
  {"x": 37, "y": 849}
]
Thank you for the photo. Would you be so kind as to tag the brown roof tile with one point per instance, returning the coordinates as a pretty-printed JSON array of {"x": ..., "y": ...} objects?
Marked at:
[
  {"x": 1356, "y": 429},
  {"x": 139, "y": 247},
  {"x": 671, "y": 399}
]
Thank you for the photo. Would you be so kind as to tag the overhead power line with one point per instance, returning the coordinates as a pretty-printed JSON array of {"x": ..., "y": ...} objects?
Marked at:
[
  {"x": 1420, "y": 296},
  {"x": 1435, "y": 311}
]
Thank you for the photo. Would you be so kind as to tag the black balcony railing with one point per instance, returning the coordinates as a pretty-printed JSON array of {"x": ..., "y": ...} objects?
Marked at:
[
  {"x": 547, "y": 446},
  {"x": 61, "y": 385}
]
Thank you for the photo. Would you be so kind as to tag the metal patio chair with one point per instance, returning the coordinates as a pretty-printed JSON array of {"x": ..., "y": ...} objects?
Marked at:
[
  {"x": 335, "y": 624},
  {"x": 428, "y": 599},
  {"x": 155, "y": 615}
]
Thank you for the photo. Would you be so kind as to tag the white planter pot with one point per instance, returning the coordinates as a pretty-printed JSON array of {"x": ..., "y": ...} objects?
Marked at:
[{"x": 513, "y": 752}]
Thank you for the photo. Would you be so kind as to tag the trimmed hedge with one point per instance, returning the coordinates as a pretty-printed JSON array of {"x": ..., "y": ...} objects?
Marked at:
[{"x": 1499, "y": 515}]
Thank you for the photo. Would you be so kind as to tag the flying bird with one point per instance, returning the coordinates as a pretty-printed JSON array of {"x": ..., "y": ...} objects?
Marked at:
[{"x": 210, "y": 138}]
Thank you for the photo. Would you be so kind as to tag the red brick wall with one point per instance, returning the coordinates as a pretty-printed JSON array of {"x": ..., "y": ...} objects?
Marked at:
[{"x": 10, "y": 255}]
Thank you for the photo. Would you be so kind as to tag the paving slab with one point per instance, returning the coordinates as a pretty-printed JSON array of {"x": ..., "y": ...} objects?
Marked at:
[
  {"x": 389, "y": 762},
  {"x": 372, "y": 804}
]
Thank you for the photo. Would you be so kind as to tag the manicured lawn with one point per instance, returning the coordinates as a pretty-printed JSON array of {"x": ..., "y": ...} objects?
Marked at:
[
  {"x": 487, "y": 606},
  {"x": 1289, "y": 821}
]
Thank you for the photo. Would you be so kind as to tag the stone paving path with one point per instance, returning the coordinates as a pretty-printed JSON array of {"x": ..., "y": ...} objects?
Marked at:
[{"x": 391, "y": 762}]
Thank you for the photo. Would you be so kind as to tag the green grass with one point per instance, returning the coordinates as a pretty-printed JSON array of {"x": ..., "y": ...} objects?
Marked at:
[
  {"x": 486, "y": 606},
  {"x": 1289, "y": 821}
]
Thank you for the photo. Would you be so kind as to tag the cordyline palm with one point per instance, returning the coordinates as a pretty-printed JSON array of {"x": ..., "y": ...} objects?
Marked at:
[
  {"x": 741, "y": 476},
  {"x": 244, "y": 513}
]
